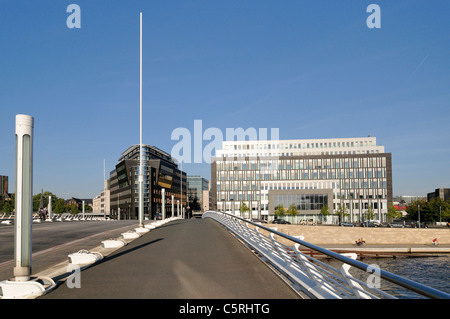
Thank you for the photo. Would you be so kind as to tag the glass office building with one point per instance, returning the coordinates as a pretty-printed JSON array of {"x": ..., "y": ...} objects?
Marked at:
[
  {"x": 160, "y": 171},
  {"x": 198, "y": 193},
  {"x": 354, "y": 174}
]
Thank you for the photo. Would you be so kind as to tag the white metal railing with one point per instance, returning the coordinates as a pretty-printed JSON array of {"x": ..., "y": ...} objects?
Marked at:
[{"x": 314, "y": 277}]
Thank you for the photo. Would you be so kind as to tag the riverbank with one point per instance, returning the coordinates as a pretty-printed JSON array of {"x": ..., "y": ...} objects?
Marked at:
[{"x": 339, "y": 235}]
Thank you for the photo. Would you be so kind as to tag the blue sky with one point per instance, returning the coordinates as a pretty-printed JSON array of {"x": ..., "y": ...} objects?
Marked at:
[{"x": 313, "y": 69}]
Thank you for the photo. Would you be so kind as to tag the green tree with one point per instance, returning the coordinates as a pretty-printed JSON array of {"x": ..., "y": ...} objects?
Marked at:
[
  {"x": 73, "y": 209},
  {"x": 280, "y": 211},
  {"x": 8, "y": 206},
  {"x": 45, "y": 197},
  {"x": 292, "y": 211},
  {"x": 87, "y": 208},
  {"x": 243, "y": 208},
  {"x": 341, "y": 212},
  {"x": 324, "y": 212},
  {"x": 439, "y": 210},
  {"x": 370, "y": 213},
  {"x": 413, "y": 209},
  {"x": 59, "y": 206},
  {"x": 434, "y": 210},
  {"x": 393, "y": 213}
]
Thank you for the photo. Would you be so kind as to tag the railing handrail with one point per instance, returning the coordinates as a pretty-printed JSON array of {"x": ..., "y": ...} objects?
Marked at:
[{"x": 401, "y": 281}]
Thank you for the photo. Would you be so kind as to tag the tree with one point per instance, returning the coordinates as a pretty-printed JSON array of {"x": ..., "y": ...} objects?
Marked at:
[
  {"x": 292, "y": 211},
  {"x": 6, "y": 206},
  {"x": 341, "y": 212},
  {"x": 439, "y": 209},
  {"x": 243, "y": 208},
  {"x": 413, "y": 209},
  {"x": 434, "y": 210},
  {"x": 393, "y": 213},
  {"x": 59, "y": 206},
  {"x": 324, "y": 212},
  {"x": 45, "y": 197},
  {"x": 370, "y": 213},
  {"x": 73, "y": 209},
  {"x": 279, "y": 212}
]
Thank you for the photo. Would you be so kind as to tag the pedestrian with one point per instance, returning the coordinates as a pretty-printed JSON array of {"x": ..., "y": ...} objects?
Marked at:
[{"x": 435, "y": 242}]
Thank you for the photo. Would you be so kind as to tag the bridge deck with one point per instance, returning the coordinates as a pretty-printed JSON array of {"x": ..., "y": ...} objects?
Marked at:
[{"x": 192, "y": 259}]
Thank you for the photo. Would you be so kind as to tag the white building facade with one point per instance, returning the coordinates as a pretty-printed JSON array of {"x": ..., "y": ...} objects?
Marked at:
[
  {"x": 100, "y": 204},
  {"x": 350, "y": 174}
]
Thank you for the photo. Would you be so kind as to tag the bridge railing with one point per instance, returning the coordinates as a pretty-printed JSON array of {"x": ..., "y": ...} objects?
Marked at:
[{"x": 312, "y": 276}]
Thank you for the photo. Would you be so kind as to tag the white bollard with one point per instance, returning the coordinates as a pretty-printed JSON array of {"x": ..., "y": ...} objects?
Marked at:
[
  {"x": 163, "y": 208},
  {"x": 50, "y": 211},
  {"x": 173, "y": 210}
]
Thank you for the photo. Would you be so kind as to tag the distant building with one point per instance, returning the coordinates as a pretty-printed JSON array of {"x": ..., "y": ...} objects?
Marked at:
[
  {"x": 3, "y": 185},
  {"x": 101, "y": 203},
  {"x": 443, "y": 193},
  {"x": 198, "y": 193},
  {"x": 160, "y": 171},
  {"x": 78, "y": 202},
  {"x": 406, "y": 199}
]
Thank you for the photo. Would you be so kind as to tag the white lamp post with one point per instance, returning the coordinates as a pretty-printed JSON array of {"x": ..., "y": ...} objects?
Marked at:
[{"x": 24, "y": 197}]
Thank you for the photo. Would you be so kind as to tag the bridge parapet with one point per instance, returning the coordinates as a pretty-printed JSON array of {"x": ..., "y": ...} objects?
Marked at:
[{"x": 313, "y": 277}]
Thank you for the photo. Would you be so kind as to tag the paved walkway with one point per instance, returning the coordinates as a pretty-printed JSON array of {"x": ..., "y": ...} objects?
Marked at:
[{"x": 189, "y": 259}]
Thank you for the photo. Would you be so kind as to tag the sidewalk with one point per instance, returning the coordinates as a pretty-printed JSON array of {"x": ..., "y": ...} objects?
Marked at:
[{"x": 188, "y": 259}]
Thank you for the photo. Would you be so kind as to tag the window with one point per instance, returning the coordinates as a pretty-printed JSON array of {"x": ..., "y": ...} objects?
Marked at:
[{"x": 302, "y": 201}]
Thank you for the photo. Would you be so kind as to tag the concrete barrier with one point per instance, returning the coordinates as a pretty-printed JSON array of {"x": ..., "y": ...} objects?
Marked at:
[{"x": 339, "y": 235}]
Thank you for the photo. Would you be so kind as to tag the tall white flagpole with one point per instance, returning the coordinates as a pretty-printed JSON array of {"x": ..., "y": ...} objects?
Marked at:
[{"x": 141, "y": 167}]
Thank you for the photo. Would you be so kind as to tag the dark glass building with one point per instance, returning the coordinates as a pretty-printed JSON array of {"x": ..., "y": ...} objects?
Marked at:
[
  {"x": 160, "y": 171},
  {"x": 198, "y": 193}
]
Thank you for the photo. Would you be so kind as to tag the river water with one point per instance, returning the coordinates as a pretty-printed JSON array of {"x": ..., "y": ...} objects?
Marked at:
[{"x": 430, "y": 271}]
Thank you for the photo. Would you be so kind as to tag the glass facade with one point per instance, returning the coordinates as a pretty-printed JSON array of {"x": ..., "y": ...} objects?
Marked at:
[
  {"x": 196, "y": 187},
  {"x": 353, "y": 180},
  {"x": 303, "y": 202},
  {"x": 159, "y": 171}
]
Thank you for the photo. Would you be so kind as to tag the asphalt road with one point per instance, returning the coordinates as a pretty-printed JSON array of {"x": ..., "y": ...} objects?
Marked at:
[
  {"x": 54, "y": 241},
  {"x": 188, "y": 259}
]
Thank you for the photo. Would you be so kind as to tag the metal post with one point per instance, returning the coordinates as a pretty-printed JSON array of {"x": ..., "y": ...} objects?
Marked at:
[
  {"x": 83, "y": 209},
  {"x": 418, "y": 206},
  {"x": 24, "y": 197},
  {"x": 50, "y": 210},
  {"x": 163, "y": 195},
  {"x": 141, "y": 166},
  {"x": 440, "y": 220},
  {"x": 178, "y": 208},
  {"x": 173, "y": 209}
]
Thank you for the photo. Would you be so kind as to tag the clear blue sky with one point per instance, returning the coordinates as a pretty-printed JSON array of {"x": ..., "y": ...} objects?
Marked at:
[{"x": 313, "y": 69}]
